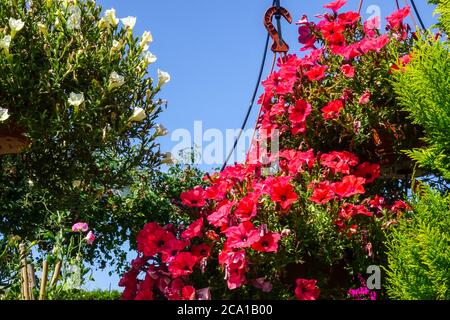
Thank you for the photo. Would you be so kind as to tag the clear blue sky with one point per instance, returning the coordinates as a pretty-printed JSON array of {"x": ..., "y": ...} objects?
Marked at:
[{"x": 213, "y": 49}]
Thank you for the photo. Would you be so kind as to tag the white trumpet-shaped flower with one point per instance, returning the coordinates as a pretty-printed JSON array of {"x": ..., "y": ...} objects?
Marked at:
[
  {"x": 5, "y": 43},
  {"x": 129, "y": 22},
  {"x": 138, "y": 115},
  {"x": 167, "y": 158},
  {"x": 163, "y": 77},
  {"x": 4, "y": 114},
  {"x": 116, "y": 80},
  {"x": 146, "y": 39},
  {"x": 109, "y": 19},
  {"x": 76, "y": 99},
  {"x": 16, "y": 25},
  {"x": 161, "y": 131},
  {"x": 149, "y": 58}
]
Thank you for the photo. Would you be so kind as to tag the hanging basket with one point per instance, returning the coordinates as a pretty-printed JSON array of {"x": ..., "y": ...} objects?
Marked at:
[{"x": 12, "y": 140}]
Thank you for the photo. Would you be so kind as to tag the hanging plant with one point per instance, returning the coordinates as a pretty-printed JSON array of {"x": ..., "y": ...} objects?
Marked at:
[{"x": 308, "y": 229}]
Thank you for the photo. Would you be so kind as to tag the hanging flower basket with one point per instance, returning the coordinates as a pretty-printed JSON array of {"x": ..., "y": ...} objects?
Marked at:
[{"x": 12, "y": 140}]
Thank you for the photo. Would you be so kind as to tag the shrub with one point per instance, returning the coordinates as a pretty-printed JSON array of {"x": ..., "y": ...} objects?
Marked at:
[
  {"x": 75, "y": 87},
  {"x": 419, "y": 251}
]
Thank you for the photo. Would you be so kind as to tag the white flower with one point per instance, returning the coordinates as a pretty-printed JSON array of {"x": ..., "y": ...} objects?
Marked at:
[
  {"x": 138, "y": 115},
  {"x": 146, "y": 39},
  {"x": 5, "y": 43},
  {"x": 16, "y": 25},
  {"x": 163, "y": 77},
  {"x": 109, "y": 19},
  {"x": 116, "y": 80},
  {"x": 74, "y": 21},
  {"x": 76, "y": 99},
  {"x": 42, "y": 28},
  {"x": 4, "y": 115},
  {"x": 149, "y": 58},
  {"x": 161, "y": 131},
  {"x": 129, "y": 22},
  {"x": 167, "y": 158},
  {"x": 116, "y": 45}
]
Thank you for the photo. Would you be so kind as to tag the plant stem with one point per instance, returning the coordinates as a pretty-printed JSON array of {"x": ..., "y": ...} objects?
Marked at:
[
  {"x": 44, "y": 279},
  {"x": 56, "y": 274},
  {"x": 25, "y": 285}
]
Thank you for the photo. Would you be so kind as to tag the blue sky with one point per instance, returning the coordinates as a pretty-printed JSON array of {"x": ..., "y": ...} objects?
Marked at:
[{"x": 212, "y": 50}]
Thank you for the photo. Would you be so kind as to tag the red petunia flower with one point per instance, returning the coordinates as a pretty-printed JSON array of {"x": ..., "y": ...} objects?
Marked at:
[
  {"x": 400, "y": 206},
  {"x": 173, "y": 247},
  {"x": 322, "y": 193},
  {"x": 201, "y": 251},
  {"x": 368, "y": 171},
  {"x": 348, "y": 71},
  {"x": 194, "y": 198},
  {"x": 316, "y": 73},
  {"x": 332, "y": 110},
  {"x": 339, "y": 162},
  {"x": 370, "y": 26},
  {"x": 374, "y": 44},
  {"x": 348, "y": 18},
  {"x": 377, "y": 203},
  {"x": 235, "y": 264},
  {"x": 350, "y": 186},
  {"x": 396, "y": 19},
  {"x": 306, "y": 37},
  {"x": 188, "y": 293},
  {"x": 219, "y": 218},
  {"x": 299, "y": 112},
  {"x": 282, "y": 192},
  {"x": 349, "y": 211},
  {"x": 306, "y": 289},
  {"x": 153, "y": 239},
  {"x": 335, "y": 5},
  {"x": 193, "y": 230},
  {"x": 267, "y": 243},
  {"x": 182, "y": 264},
  {"x": 365, "y": 98},
  {"x": 333, "y": 32},
  {"x": 246, "y": 209},
  {"x": 242, "y": 236}
]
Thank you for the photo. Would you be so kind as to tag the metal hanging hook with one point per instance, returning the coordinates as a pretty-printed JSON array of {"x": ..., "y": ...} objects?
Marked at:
[{"x": 279, "y": 45}]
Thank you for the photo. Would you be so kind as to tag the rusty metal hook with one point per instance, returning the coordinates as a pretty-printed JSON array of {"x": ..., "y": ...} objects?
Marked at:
[{"x": 279, "y": 45}]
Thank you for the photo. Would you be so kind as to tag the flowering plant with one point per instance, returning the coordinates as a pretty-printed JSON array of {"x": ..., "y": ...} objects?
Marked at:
[
  {"x": 301, "y": 221},
  {"x": 75, "y": 84}
]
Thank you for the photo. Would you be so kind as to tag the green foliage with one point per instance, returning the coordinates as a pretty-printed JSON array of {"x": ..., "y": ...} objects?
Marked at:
[
  {"x": 423, "y": 90},
  {"x": 86, "y": 295},
  {"x": 83, "y": 149},
  {"x": 419, "y": 251},
  {"x": 443, "y": 9}
]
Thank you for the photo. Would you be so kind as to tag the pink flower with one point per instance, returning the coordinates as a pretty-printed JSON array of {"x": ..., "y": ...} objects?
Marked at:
[
  {"x": 307, "y": 289},
  {"x": 80, "y": 227},
  {"x": 90, "y": 238},
  {"x": 267, "y": 243},
  {"x": 396, "y": 19},
  {"x": 182, "y": 264},
  {"x": 242, "y": 236},
  {"x": 300, "y": 111},
  {"x": 316, "y": 73},
  {"x": 204, "y": 294},
  {"x": 193, "y": 230},
  {"x": 365, "y": 98},
  {"x": 194, "y": 198},
  {"x": 348, "y": 71},
  {"x": 335, "y": 5},
  {"x": 262, "y": 284},
  {"x": 332, "y": 110},
  {"x": 349, "y": 18}
]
